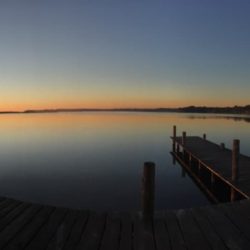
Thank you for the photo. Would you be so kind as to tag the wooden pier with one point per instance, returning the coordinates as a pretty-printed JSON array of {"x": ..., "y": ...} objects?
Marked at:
[{"x": 213, "y": 166}]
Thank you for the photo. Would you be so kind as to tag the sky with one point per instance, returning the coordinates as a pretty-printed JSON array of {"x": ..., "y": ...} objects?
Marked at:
[{"x": 124, "y": 54}]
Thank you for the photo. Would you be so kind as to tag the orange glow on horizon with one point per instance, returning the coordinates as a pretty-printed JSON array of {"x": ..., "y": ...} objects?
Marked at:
[{"x": 112, "y": 104}]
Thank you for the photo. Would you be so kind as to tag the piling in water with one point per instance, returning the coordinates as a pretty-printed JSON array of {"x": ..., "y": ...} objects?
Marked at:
[
  {"x": 235, "y": 166},
  {"x": 235, "y": 160}
]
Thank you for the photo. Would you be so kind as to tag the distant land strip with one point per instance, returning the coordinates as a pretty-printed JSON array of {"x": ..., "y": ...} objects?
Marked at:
[{"x": 190, "y": 109}]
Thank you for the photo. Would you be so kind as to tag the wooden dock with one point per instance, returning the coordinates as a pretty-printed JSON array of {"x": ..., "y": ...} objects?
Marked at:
[
  {"x": 201, "y": 157},
  {"x": 33, "y": 227}
]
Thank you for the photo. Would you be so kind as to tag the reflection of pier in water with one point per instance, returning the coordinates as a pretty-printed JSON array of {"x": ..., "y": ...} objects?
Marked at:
[{"x": 223, "y": 174}]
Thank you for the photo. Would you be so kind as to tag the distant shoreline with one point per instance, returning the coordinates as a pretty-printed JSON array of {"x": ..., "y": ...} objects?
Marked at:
[{"x": 236, "y": 110}]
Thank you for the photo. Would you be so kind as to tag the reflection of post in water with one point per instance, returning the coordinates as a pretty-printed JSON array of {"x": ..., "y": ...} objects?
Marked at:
[
  {"x": 174, "y": 160},
  {"x": 183, "y": 173},
  {"x": 174, "y": 138},
  {"x": 183, "y": 141}
]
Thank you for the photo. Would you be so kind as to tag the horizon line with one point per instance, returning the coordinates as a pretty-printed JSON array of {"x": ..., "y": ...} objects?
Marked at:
[{"x": 119, "y": 109}]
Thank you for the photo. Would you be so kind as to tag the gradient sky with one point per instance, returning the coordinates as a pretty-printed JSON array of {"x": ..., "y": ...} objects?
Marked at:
[{"x": 131, "y": 53}]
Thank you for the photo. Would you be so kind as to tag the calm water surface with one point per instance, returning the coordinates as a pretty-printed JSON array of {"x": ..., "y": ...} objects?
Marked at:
[{"x": 94, "y": 160}]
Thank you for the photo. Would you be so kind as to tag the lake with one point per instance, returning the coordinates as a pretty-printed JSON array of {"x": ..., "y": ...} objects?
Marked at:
[{"x": 94, "y": 160}]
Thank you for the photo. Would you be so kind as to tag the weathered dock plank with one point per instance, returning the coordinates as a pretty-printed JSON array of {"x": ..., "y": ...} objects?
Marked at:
[
  {"x": 175, "y": 234},
  {"x": 230, "y": 234},
  {"x": 46, "y": 233},
  {"x": 111, "y": 235},
  {"x": 12, "y": 215},
  {"x": 238, "y": 218},
  {"x": 126, "y": 232},
  {"x": 207, "y": 228},
  {"x": 193, "y": 236},
  {"x": 217, "y": 227},
  {"x": 77, "y": 231},
  {"x": 63, "y": 232},
  {"x": 143, "y": 235},
  {"x": 93, "y": 233},
  {"x": 12, "y": 229},
  {"x": 7, "y": 206},
  {"x": 27, "y": 233},
  {"x": 162, "y": 239}
]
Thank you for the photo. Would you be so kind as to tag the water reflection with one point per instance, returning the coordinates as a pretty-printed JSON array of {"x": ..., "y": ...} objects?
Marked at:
[
  {"x": 94, "y": 160},
  {"x": 245, "y": 118}
]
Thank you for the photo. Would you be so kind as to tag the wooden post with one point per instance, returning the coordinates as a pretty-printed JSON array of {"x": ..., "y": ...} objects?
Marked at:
[
  {"x": 204, "y": 136},
  {"x": 178, "y": 148},
  {"x": 235, "y": 160},
  {"x": 235, "y": 166},
  {"x": 174, "y": 137},
  {"x": 148, "y": 189},
  {"x": 222, "y": 146}
]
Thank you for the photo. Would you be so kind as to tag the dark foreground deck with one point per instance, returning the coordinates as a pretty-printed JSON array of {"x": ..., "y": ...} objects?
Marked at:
[{"x": 29, "y": 226}]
